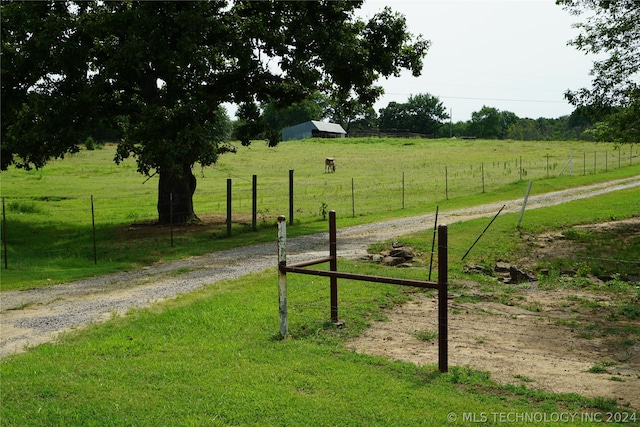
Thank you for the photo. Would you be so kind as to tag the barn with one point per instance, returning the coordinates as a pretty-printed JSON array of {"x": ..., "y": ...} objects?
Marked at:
[{"x": 313, "y": 129}]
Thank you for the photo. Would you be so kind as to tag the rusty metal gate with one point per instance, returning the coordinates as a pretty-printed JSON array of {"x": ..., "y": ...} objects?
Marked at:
[{"x": 441, "y": 285}]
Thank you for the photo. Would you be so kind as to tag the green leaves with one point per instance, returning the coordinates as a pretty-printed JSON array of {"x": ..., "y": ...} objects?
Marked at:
[
  {"x": 422, "y": 113},
  {"x": 162, "y": 70},
  {"x": 167, "y": 67},
  {"x": 612, "y": 31}
]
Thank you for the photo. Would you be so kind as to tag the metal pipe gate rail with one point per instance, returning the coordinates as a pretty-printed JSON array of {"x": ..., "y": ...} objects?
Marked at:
[{"x": 441, "y": 285}]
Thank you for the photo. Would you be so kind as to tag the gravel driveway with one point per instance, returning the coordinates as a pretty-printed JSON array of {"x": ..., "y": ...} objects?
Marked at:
[{"x": 32, "y": 317}]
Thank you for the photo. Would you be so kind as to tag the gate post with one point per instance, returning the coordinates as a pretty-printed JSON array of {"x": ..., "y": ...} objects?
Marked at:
[
  {"x": 282, "y": 275},
  {"x": 443, "y": 338},
  {"x": 333, "y": 266}
]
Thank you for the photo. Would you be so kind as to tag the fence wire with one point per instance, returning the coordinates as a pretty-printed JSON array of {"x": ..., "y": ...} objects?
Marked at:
[{"x": 387, "y": 189}]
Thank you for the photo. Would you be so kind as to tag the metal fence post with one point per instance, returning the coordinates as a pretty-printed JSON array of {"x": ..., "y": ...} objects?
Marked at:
[
  {"x": 433, "y": 241},
  {"x": 446, "y": 183},
  {"x": 333, "y": 274},
  {"x": 402, "y": 189},
  {"x": 353, "y": 200},
  {"x": 291, "y": 196},
  {"x": 93, "y": 227},
  {"x": 482, "y": 234},
  {"x": 4, "y": 235},
  {"x": 333, "y": 266},
  {"x": 443, "y": 334},
  {"x": 254, "y": 203},
  {"x": 282, "y": 275},
  {"x": 520, "y": 168},
  {"x": 228, "y": 207},
  {"x": 524, "y": 203},
  {"x": 171, "y": 216}
]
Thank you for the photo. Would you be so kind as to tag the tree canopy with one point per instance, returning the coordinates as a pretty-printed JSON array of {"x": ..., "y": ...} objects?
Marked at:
[
  {"x": 491, "y": 123},
  {"x": 422, "y": 113},
  {"x": 612, "y": 30},
  {"x": 160, "y": 71},
  {"x": 313, "y": 108}
]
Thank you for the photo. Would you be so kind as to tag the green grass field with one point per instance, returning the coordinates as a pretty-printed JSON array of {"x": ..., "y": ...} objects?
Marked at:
[
  {"x": 213, "y": 357},
  {"x": 49, "y": 218}
]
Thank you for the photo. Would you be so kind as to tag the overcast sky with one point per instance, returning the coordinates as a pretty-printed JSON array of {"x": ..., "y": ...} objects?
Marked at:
[{"x": 507, "y": 54}]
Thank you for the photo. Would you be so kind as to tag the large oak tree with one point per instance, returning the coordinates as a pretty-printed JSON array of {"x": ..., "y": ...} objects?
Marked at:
[{"x": 161, "y": 70}]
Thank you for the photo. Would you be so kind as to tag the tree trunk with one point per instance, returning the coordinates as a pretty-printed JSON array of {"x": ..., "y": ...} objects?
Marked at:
[{"x": 175, "y": 196}]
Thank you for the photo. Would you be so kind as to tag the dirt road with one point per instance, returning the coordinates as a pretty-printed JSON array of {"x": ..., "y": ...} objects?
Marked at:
[{"x": 32, "y": 317}]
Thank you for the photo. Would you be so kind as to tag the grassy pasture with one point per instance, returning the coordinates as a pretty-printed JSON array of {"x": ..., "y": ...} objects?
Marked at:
[
  {"x": 49, "y": 219},
  {"x": 213, "y": 358}
]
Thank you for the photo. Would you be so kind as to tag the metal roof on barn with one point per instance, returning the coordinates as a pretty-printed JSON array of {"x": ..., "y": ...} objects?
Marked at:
[{"x": 313, "y": 129}]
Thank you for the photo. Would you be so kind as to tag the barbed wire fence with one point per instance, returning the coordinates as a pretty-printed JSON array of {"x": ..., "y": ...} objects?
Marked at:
[{"x": 243, "y": 204}]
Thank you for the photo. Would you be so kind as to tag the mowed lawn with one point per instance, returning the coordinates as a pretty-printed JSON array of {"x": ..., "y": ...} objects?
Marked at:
[{"x": 214, "y": 357}]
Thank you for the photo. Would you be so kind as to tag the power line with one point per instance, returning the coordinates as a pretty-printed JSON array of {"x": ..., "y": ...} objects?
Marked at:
[
  {"x": 505, "y": 99},
  {"x": 486, "y": 99}
]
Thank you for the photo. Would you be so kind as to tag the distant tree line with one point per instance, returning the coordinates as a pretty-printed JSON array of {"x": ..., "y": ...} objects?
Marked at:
[
  {"x": 425, "y": 115},
  {"x": 421, "y": 116},
  {"x": 610, "y": 111}
]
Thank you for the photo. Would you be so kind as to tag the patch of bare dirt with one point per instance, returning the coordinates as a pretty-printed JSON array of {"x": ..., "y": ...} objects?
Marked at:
[
  {"x": 553, "y": 245},
  {"x": 513, "y": 343},
  {"x": 151, "y": 228},
  {"x": 549, "y": 339}
]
